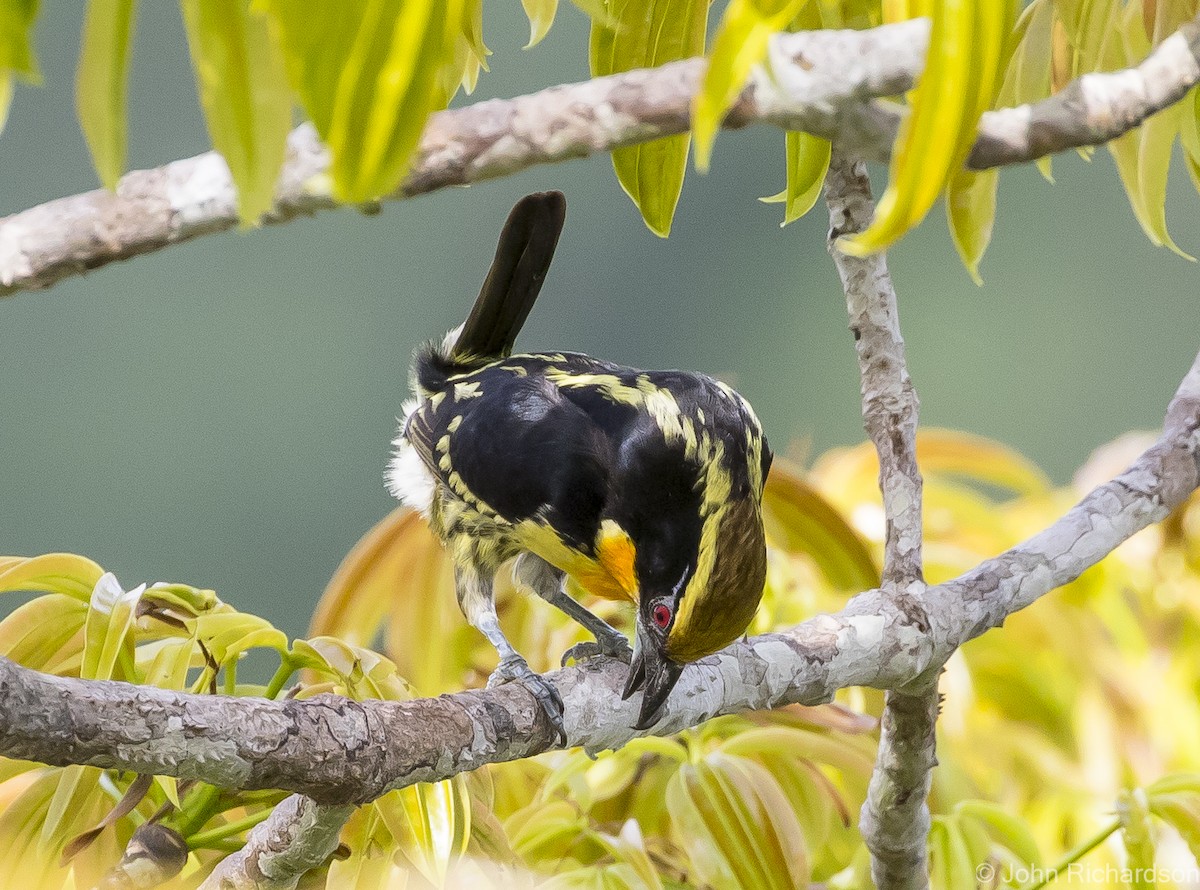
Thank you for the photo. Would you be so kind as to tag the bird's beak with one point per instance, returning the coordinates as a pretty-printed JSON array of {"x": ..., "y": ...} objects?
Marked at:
[{"x": 653, "y": 672}]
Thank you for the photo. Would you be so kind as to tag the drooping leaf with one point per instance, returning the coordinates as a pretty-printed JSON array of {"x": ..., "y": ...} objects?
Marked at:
[
  {"x": 399, "y": 569},
  {"x": 1176, "y": 800},
  {"x": 961, "y": 77},
  {"x": 110, "y": 618},
  {"x": 1006, "y": 827},
  {"x": 369, "y": 865},
  {"x": 971, "y": 210},
  {"x": 646, "y": 35},
  {"x": 799, "y": 519},
  {"x": 807, "y": 163},
  {"x": 541, "y": 16},
  {"x": 369, "y": 75},
  {"x": 101, "y": 84},
  {"x": 950, "y": 865},
  {"x": 243, "y": 90},
  {"x": 228, "y": 634},
  {"x": 37, "y": 633},
  {"x": 740, "y": 44},
  {"x": 65, "y": 573},
  {"x": 16, "y": 49}
]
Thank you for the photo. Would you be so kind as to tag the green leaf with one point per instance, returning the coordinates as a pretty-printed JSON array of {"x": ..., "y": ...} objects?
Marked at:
[
  {"x": 807, "y": 163},
  {"x": 1138, "y": 836},
  {"x": 541, "y": 16},
  {"x": 971, "y": 211},
  {"x": 106, "y": 632},
  {"x": 740, "y": 44},
  {"x": 646, "y": 34},
  {"x": 244, "y": 93},
  {"x": 1009, "y": 829},
  {"x": 16, "y": 39},
  {"x": 101, "y": 84},
  {"x": 369, "y": 75},
  {"x": 227, "y": 635},
  {"x": 1176, "y": 800},
  {"x": 950, "y": 865}
]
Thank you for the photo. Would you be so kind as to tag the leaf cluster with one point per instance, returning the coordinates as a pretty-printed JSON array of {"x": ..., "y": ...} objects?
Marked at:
[{"x": 368, "y": 75}]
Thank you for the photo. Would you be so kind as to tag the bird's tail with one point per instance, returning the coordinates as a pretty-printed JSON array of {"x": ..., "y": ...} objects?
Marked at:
[{"x": 512, "y": 285}]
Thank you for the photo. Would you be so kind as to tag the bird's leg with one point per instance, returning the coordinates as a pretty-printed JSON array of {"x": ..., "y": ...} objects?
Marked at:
[
  {"x": 476, "y": 599},
  {"x": 549, "y": 583}
]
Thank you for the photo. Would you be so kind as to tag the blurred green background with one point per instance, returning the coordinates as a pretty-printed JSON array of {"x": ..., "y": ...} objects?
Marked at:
[{"x": 220, "y": 413}]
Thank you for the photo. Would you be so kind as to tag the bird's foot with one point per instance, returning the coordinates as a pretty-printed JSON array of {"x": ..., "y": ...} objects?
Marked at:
[
  {"x": 517, "y": 668},
  {"x": 612, "y": 645}
]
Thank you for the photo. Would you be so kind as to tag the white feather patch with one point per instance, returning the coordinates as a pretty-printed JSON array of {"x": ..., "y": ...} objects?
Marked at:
[{"x": 407, "y": 477}]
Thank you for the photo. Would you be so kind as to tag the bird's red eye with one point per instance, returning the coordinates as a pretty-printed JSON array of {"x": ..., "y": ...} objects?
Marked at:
[{"x": 661, "y": 615}]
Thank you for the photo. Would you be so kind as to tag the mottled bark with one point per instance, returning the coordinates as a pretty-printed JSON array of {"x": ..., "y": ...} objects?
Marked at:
[
  {"x": 299, "y": 835},
  {"x": 895, "y": 817}
]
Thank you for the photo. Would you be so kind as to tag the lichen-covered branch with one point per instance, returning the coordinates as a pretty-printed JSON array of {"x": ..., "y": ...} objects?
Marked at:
[
  {"x": 833, "y": 74},
  {"x": 340, "y": 752},
  {"x": 895, "y": 816},
  {"x": 297, "y": 837},
  {"x": 823, "y": 82},
  {"x": 1092, "y": 109}
]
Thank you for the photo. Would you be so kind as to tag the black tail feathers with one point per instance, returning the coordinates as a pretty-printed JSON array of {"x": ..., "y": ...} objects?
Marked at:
[{"x": 522, "y": 259}]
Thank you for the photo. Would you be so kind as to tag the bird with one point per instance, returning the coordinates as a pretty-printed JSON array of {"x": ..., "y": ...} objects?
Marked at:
[{"x": 630, "y": 485}]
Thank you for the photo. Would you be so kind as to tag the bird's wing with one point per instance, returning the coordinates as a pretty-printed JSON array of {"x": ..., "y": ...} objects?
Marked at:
[{"x": 506, "y": 440}]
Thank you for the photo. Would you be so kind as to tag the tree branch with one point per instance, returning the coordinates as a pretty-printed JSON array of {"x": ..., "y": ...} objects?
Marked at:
[
  {"x": 341, "y": 752},
  {"x": 297, "y": 837},
  {"x": 834, "y": 72},
  {"x": 822, "y": 82},
  {"x": 895, "y": 817}
]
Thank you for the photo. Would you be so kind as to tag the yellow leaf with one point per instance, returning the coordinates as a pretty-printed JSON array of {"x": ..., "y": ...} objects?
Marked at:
[
  {"x": 962, "y": 75},
  {"x": 740, "y": 44},
  {"x": 65, "y": 573},
  {"x": 101, "y": 84},
  {"x": 971, "y": 212},
  {"x": 398, "y": 571},
  {"x": 1006, "y": 827},
  {"x": 799, "y": 519},
  {"x": 646, "y": 35},
  {"x": 541, "y": 16},
  {"x": 369, "y": 75},
  {"x": 37, "y": 633},
  {"x": 16, "y": 39},
  {"x": 243, "y": 90},
  {"x": 950, "y": 865},
  {"x": 369, "y": 865},
  {"x": 111, "y": 614}
]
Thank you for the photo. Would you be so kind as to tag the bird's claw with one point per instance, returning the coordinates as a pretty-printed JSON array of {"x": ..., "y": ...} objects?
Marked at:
[
  {"x": 516, "y": 668},
  {"x": 615, "y": 646}
]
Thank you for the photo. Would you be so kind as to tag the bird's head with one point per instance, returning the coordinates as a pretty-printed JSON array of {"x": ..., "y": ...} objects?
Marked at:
[{"x": 694, "y": 600}]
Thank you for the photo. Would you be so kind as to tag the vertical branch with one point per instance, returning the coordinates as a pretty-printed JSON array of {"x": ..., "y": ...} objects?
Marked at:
[{"x": 895, "y": 818}]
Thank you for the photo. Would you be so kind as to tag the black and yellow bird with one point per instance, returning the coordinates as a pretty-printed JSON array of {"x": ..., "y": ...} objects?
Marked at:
[{"x": 643, "y": 486}]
